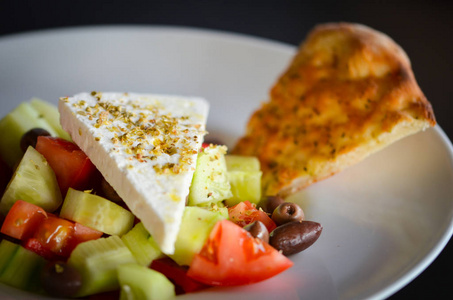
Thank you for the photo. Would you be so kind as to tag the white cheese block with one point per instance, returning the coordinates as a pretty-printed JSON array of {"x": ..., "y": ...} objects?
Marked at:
[{"x": 145, "y": 146}]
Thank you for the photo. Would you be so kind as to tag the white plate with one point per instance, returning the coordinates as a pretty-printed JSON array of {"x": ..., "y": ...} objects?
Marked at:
[{"x": 385, "y": 219}]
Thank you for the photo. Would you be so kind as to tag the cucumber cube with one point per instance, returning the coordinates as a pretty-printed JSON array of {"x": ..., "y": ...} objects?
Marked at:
[
  {"x": 96, "y": 212},
  {"x": 50, "y": 113},
  {"x": 142, "y": 245},
  {"x": 244, "y": 176},
  {"x": 138, "y": 282},
  {"x": 23, "y": 268},
  {"x": 195, "y": 228},
  {"x": 97, "y": 260},
  {"x": 210, "y": 182},
  {"x": 7, "y": 251},
  {"x": 242, "y": 163},
  {"x": 13, "y": 126},
  {"x": 33, "y": 181}
]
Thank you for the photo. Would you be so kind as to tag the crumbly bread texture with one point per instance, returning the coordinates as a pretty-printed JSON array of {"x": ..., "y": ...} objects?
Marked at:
[{"x": 348, "y": 92}]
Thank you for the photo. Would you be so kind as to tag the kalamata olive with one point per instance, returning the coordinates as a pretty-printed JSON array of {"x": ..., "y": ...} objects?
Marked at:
[
  {"x": 30, "y": 138},
  {"x": 258, "y": 230},
  {"x": 287, "y": 212},
  {"x": 295, "y": 237},
  {"x": 109, "y": 192},
  {"x": 60, "y": 280},
  {"x": 213, "y": 141},
  {"x": 269, "y": 203}
]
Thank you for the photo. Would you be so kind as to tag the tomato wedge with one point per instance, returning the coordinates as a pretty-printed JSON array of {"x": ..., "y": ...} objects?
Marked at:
[
  {"x": 71, "y": 165},
  {"x": 231, "y": 256},
  {"x": 55, "y": 235},
  {"x": 82, "y": 234},
  {"x": 36, "y": 246},
  {"x": 178, "y": 275},
  {"x": 45, "y": 233},
  {"x": 22, "y": 220},
  {"x": 245, "y": 213}
]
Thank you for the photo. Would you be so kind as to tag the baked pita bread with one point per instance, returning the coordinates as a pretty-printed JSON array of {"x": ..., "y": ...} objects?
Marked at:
[{"x": 348, "y": 92}]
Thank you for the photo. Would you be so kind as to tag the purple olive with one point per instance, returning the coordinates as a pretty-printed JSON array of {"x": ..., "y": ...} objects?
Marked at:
[
  {"x": 30, "y": 138},
  {"x": 60, "y": 280},
  {"x": 258, "y": 230},
  {"x": 287, "y": 212},
  {"x": 269, "y": 203},
  {"x": 295, "y": 237},
  {"x": 213, "y": 141}
]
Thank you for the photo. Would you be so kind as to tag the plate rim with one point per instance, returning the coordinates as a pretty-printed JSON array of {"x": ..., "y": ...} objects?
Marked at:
[
  {"x": 179, "y": 29},
  {"x": 426, "y": 261}
]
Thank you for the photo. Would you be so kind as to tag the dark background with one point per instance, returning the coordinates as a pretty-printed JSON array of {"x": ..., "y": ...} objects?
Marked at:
[{"x": 422, "y": 28}]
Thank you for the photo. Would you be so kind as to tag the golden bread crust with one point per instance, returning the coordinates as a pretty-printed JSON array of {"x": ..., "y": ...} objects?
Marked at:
[{"x": 348, "y": 92}]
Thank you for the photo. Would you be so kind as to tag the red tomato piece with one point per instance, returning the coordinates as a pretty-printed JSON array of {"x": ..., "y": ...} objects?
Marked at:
[
  {"x": 22, "y": 220},
  {"x": 36, "y": 246},
  {"x": 55, "y": 234},
  {"x": 178, "y": 275},
  {"x": 231, "y": 256},
  {"x": 82, "y": 234},
  {"x": 71, "y": 165},
  {"x": 245, "y": 213}
]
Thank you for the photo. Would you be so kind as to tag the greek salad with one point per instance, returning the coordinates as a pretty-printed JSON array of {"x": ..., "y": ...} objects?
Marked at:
[{"x": 66, "y": 232}]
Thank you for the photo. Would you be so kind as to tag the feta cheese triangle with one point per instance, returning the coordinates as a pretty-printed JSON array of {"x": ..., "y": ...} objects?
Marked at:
[{"x": 145, "y": 146}]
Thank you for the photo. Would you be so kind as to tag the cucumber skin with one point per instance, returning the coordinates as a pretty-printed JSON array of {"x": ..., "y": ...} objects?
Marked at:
[
  {"x": 28, "y": 115},
  {"x": 46, "y": 195},
  {"x": 139, "y": 282},
  {"x": 23, "y": 268},
  {"x": 51, "y": 115},
  {"x": 10, "y": 149},
  {"x": 7, "y": 251},
  {"x": 13, "y": 126},
  {"x": 97, "y": 261},
  {"x": 96, "y": 212},
  {"x": 142, "y": 245}
]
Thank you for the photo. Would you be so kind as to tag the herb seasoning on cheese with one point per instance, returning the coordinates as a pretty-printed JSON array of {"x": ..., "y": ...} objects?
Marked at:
[{"x": 145, "y": 146}]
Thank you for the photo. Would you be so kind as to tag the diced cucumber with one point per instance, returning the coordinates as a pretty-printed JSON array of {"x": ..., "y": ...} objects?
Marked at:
[
  {"x": 23, "y": 268},
  {"x": 33, "y": 181},
  {"x": 138, "y": 282},
  {"x": 245, "y": 179},
  {"x": 96, "y": 212},
  {"x": 13, "y": 126},
  {"x": 142, "y": 245},
  {"x": 223, "y": 211},
  {"x": 97, "y": 260},
  {"x": 242, "y": 163},
  {"x": 50, "y": 113},
  {"x": 215, "y": 207},
  {"x": 195, "y": 227},
  {"x": 7, "y": 251},
  {"x": 210, "y": 182}
]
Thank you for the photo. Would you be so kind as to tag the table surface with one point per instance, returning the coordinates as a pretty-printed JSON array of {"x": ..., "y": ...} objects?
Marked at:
[{"x": 422, "y": 28}]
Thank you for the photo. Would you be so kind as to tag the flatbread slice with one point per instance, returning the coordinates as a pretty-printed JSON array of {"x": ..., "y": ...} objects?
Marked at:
[{"x": 348, "y": 92}]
